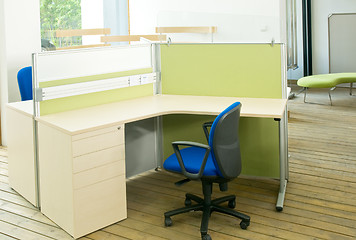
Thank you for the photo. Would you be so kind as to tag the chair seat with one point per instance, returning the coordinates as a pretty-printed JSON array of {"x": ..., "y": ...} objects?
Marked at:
[
  {"x": 326, "y": 80},
  {"x": 192, "y": 158}
]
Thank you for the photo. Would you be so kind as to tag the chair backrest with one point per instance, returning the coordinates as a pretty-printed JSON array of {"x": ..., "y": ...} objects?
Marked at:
[
  {"x": 224, "y": 142},
  {"x": 24, "y": 80}
]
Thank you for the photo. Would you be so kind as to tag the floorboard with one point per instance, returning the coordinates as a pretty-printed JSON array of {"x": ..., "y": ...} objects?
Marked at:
[{"x": 319, "y": 204}]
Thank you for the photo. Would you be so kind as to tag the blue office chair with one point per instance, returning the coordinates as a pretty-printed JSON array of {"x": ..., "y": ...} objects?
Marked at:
[
  {"x": 24, "y": 80},
  {"x": 219, "y": 162}
]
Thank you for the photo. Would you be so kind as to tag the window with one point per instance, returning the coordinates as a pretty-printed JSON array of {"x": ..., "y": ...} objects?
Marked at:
[
  {"x": 59, "y": 14},
  {"x": 81, "y": 23}
]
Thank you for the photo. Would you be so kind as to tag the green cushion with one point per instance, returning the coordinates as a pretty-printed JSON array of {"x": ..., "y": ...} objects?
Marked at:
[{"x": 326, "y": 80}]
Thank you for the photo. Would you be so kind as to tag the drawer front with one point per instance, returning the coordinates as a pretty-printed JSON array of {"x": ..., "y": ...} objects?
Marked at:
[
  {"x": 99, "y": 158},
  {"x": 99, "y": 205},
  {"x": 98, "y": 142},
  {"x": 97, "y": 132},
  {"x": 98, "y": 174}
]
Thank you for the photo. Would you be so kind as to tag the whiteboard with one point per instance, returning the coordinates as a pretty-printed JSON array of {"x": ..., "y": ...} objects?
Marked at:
[{"x": 342, "y": 43}]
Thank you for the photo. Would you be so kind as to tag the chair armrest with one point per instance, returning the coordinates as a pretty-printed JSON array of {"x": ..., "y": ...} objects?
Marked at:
[
  {"x": 193, "y": 176},
  {"x": 205, "y": 128}
]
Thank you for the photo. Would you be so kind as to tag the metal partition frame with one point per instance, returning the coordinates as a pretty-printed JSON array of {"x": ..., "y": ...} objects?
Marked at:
[{"x": 156, "y": 64}]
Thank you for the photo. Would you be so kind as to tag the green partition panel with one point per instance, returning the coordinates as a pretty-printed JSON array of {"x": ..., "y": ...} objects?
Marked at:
[
  {"x": 97, "y": 98},
  {"x": 232, "y": 70}
]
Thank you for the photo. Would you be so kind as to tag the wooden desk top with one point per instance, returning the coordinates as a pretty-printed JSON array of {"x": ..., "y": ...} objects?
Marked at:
[
  {"x": 24, "y": 107},
  {"x": 92, "y": 118}
]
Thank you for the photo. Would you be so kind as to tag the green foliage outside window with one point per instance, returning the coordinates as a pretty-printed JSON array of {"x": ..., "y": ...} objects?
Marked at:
[{"x": 60, "y": 14}]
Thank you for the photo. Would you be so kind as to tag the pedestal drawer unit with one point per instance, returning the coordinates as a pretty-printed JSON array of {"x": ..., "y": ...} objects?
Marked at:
[
  {"x": 22, "y": 172},
  {"x": 82, "y": 178}
]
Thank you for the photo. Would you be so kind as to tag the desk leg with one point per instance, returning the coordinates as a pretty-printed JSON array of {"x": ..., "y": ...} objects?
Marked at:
[
  {"x": 351, "y": 86},
  {"x": 159, "y": 142},
  {"x": 283, "y": 165},
  {"x": 37, "y": 170}
]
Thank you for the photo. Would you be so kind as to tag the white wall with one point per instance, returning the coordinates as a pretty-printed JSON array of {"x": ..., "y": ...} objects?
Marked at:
[
  {"x": 321, "y": 9},
  {"x": 237, "y": 20},
  {"x": 20, "y": 37},
  {"x": 111, "y": 14},
  {"x": 92, "y": 17},
  {"x": 3, "y": 71}
]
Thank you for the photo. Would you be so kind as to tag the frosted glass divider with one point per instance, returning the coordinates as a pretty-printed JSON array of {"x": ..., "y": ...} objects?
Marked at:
[{"x": 86, "y": 62}]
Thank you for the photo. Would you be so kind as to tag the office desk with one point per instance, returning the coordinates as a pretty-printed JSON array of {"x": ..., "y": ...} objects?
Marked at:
[
  {"x": 82, "y": 154},
  {"x": 72, "y": 123}
]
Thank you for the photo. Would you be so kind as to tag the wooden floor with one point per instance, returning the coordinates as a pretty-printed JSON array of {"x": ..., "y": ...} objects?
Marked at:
[{"x": 320, "y": 200}]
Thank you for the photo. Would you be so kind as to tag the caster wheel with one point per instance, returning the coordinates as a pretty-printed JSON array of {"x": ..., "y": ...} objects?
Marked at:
[
  {"x": 232, "y": 203},
  {"x": 206, "y": 237},
  {"x": 187, "y": 202},
  {"x": 168, "y": 222},
  {"x": 279, "y": 209},
  {"x": 244, "y": 225}
]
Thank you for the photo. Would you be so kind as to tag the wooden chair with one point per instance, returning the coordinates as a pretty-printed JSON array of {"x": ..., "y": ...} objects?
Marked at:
[
  {"x": 203, "y": 30},
  {"x": 132, "y": 38},
  {"x": 81, "y": 32}
]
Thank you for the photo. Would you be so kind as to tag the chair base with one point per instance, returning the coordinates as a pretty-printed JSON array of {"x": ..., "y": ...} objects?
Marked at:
[
  {"x": 331, "y": 102},
  {"x": 208, "y": 206}
]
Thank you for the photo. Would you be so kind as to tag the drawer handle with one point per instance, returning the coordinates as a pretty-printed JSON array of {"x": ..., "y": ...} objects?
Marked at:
[{"x": 118, "y": 128}]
